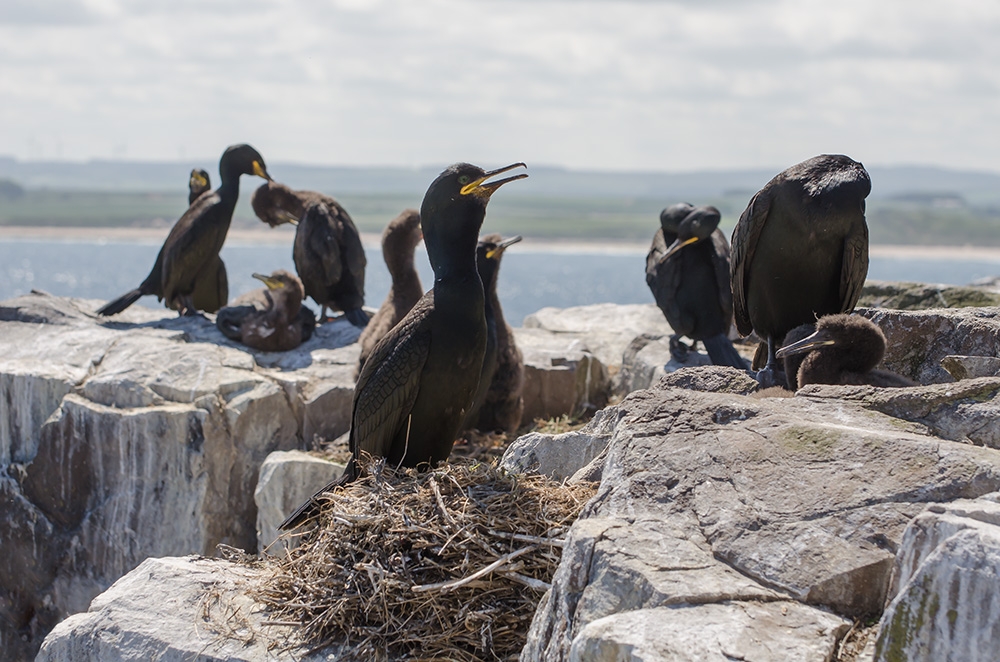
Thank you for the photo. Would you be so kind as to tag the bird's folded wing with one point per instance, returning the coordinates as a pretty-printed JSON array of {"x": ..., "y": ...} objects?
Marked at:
[{"x": 744, "y": 244}]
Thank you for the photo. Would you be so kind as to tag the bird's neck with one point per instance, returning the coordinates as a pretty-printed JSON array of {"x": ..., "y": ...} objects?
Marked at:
[
  {"x": 453, "y": 257},
  {"x": 229, "y": 189}
]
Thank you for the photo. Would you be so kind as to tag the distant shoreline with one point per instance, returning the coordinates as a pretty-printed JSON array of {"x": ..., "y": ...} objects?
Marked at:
[{"x": 283, "y": 235}]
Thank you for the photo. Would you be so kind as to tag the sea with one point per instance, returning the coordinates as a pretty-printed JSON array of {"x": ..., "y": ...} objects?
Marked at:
[{"x": 531, "y": 276}]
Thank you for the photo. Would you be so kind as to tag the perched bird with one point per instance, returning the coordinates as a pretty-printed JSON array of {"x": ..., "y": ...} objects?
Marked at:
[
  {"x": 327, "y": 251},
  {"x": 414, "y": 390},
  {"x": 271, "y": 319},
  {"x": 192, "y": 247},
  {"x": 399, "y": 241},
  {"x": 498, "y": 404},
  {"x": 843, "y": 349},
  {"x": 687, "y": 269},
  {"x": 800, "y": 251},
  {"x": 211, "y": 290},
  {"x": 198, "y": 183}
]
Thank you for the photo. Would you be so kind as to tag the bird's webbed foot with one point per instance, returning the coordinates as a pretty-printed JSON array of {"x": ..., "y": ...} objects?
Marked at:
[
  {"x": 678, "y": 350},
  {"x": 769, "y": 376}
]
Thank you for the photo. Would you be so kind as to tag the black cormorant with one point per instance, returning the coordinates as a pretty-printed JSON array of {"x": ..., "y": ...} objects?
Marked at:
[
  {"x": 414, "y": 390},
  {"x": 271, "y": 319},
  {"x": 687, "y": 269},
  {"x": 192, "y": 247},
  {"x": 800, "y": 251},
  {"x": 843, "y": 349},
  {"x": 498, "y": 404},
  {"x": 198, "y": 183},
  {"x": 211, "y": 292},
  {"x": 328, "y": 254},
  {"x": 399, "y": 241}
]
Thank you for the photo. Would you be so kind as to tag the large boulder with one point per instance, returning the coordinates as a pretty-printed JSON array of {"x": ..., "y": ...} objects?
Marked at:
[
  {"x": 138, "y": 436},
  {"x": 712, "y": 503}
]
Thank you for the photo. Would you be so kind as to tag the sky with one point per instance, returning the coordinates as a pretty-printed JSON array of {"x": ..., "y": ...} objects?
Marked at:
[{"x": 614, "y": 85}]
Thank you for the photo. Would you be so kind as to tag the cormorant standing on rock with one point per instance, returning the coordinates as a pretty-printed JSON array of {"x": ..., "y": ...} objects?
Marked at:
[
  {"x": 212, "y": 291},
  {"x": 498, "y": 404},
  {"x": 843, "y": 349},
  {"x": 687, "y": 269},
  {"x": 192, "y": 247},
  {"x": 415, "y": 389},
  {"x": 327, "y": 251},
  {"x": 271, "y": 319},
  {"x": 399, "y": 241},
  {"x": 800, "y": 251}
]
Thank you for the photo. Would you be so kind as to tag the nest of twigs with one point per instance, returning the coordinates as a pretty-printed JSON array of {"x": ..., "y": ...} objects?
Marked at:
[{"x": 446, "y": 564}]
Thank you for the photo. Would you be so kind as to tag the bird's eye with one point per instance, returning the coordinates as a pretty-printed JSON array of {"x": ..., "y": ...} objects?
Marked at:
[{"x": 464, "y": 179}]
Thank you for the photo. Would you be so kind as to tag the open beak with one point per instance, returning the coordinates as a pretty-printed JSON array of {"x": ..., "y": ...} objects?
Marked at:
[
  {"x": 272, "y": 283},
  {"x": 676, "y": 246},
  {"x": 481, "y": 189},
  {"x": 258, "y": 169},
  {"x": 819, "y": 339},
  {"x": 498, "y": 250}
]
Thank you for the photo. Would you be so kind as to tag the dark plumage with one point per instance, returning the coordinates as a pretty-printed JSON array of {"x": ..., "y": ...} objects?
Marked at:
[
  {"x": 800, "y": 251},
  {"x": 843, "y": 349},
  {"x": 191, "y": 250},
  {"x": 271, "y": 319},
  {"x": 211, "y": 290},
  {"x": 199, "y": 182},
  {"x": 498, "y": 404},
  {"x": 415, "y": 388},
  {"x": 687, "y": 269},
  {"x": 399, "y": 241},
  {"x": 328, "y": 254}
]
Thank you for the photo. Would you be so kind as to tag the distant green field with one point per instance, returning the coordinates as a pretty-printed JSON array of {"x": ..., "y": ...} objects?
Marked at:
[{"x": 621, "y": 219}]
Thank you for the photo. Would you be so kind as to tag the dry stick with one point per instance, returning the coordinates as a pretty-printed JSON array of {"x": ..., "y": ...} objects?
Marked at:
[
  {"x": 440, "y": 502},
  {"x": 406, "y": 446},
  {"x": 520, "y": 537},
  {"x": 453, "y": 584}
]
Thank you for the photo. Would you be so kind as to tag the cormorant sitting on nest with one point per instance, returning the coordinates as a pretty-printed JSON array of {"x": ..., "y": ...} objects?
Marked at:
[
  {"x": 211, "y": 291},
  {"x": 192, "y": 248},
  {"x": 328, "y": 254},
  {"x": 414, "y": 390},
  {"x": 800, "y": 251},
  {"x": 498, "y": 404},
  {"x": 843, "y": 349},
  {"x": 399, "y": 241},
  {"x": 270, "y": 319},
  {"x": 687, "y": 269}
]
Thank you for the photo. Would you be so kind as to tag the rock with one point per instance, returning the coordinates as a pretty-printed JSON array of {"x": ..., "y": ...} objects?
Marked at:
[
  {"x": 561, "y": 378},
  {"x": 135, "y": 437},
  {"x": 920, "y": 296},
  {"x": 970, "y": 367},
  {"x": 647, "y": 358},
  {"x": 731, "y": 501},
  {"x": 287, "y": 479},
  {"x": 562, "y": 455},
  {"x": 948, "y": 573},
  {"x": 173, "y": 610},
  {"x": 918, "y": 340}
]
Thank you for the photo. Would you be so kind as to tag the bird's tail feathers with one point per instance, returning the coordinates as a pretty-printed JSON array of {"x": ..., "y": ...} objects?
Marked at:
[
  {"x": 121, "y": 303},
  {"x": 721, "y": 351},
  {"x": 311, "y": 508}
]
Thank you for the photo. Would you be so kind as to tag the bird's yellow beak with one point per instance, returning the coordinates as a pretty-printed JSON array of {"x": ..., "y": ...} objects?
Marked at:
[
  {"x": 197, "y": 180},
  {"x": 481, "y": 189},
  {"x": 272, "y": 283},
  {"x": 287, "y": 217},
  {"x": 259, "y": 170},
  {"x": 676, "y": 246},
  {"x": 819, "y": 339},
  {"x": 498, "y": 250}
]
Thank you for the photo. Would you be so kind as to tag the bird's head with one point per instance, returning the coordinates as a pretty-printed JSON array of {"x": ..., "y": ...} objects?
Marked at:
[
  {"x": 697, "y": 225},
  {"x": 856, "y": 343},
  {"x": 276, "y": 204},
  {"x": 243, "y": 160},
  {"x": 199, "y": 181}
]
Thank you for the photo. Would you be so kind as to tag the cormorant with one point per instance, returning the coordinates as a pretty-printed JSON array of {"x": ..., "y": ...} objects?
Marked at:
[
  {"x": 498, "y": 404},
  {"x": 192, "y": 247},
  {"x": 328, "y": 254},
  {"x": 399, "y": 241},
  {"x": 800, "y": 251},
  {"x": 414, "y": 390},
  {"x": 211, "y": 292},
  {"x": 271, "y": 319},
  {"x": 843, "y": 349},
  {"x": 687, "y": 269}
]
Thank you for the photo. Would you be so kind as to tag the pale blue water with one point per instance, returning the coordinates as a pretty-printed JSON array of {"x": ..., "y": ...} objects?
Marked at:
[{"x": 529, "y": 278}]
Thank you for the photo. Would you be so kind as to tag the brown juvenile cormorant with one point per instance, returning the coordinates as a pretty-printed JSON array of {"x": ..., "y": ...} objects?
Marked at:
[
  {"x": 271, "y": 319},
  {"x": 498, "y": 404},
  {"x": 327, "y": 251},
  {"x": 211, "y": 292},
  {"x": 687, "y": 269},
  {"x": 192, "y": 247},
  {"x": 843, "y": 349},
  {"x": 800, "y": 251},
  {"x": 414, "y": 390},
  {"x": 399, "y": 241}
]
